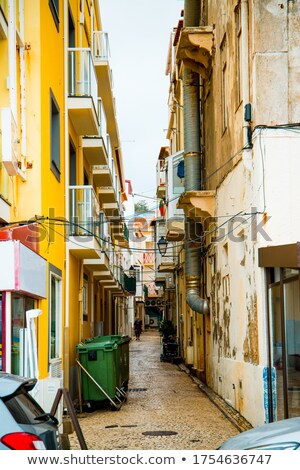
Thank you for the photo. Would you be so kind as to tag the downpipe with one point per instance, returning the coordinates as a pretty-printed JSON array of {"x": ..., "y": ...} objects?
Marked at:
[
  {"x": 192, "y": 166},
  {"x": 193, "y": 273}
]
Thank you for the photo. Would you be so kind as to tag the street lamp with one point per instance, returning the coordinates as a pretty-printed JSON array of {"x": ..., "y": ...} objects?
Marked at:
[{"x": 162, "y": 245}]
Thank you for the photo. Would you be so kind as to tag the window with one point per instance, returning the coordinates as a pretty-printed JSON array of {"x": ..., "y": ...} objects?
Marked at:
[
  {"x": 72, "y": 176},
  {"x": 85, "y": 288},
  {"x": 55, "y": 137},
  {"x": 224, "y": 84},
  {"x": 71, "y": 30},
  {"x": 55, "y": 313},
  {"x": 23, "y": 407},
  {"x": 19, "y": 306},
  {"x": 54, "y": 7},
  {"x": 178, "y": 173},
  {"x": 238, "y": 47}
]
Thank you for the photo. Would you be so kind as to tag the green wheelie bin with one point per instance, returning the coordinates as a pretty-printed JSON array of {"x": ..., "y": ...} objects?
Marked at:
[
  {"x": 106, "y": 361},
  {"x": 98, "y": 361},
  {"x": 122, "y": 362},
  {"x": 121, "y": 351}
]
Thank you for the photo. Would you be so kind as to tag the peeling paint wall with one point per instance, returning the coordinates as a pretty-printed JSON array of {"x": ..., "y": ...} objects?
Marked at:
[{"x": 257, "y": 195}]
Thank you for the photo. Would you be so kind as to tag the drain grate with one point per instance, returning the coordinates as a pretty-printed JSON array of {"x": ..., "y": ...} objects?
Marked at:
[
  {"x": 160, "y": 433},
  {"x": 137, "y": 389}
]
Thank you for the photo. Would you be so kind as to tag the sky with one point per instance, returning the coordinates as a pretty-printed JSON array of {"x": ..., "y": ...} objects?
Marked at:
[{"x": 139, "y": 35}]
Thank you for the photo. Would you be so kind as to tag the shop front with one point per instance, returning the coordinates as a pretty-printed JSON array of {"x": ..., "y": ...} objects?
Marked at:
[
  {"x": 282, "y": 265},
  {"x": 22, "y": 284}
]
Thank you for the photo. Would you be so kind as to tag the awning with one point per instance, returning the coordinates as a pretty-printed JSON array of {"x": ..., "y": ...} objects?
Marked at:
[{"x": 280, "y": 256}]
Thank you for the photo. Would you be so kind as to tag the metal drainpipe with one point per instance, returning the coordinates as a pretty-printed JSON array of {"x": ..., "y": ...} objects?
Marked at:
[{"x": 192, "y": 167}]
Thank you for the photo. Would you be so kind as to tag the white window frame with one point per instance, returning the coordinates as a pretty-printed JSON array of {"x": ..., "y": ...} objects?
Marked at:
[{"x": 58, "y": 315}]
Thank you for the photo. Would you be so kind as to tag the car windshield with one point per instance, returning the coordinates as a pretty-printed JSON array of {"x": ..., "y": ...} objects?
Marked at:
[{"x": 23, "y": 407}]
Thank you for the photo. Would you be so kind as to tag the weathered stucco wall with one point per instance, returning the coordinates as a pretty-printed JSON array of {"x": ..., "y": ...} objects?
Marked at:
[{"x": 265, "y": 181}]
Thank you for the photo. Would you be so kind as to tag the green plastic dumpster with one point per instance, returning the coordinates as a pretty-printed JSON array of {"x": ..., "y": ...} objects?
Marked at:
[
  {"x": 105, "y": 360},
  {"x": 121, "y": 351},
  {"x": 98, "y": 358},
  {"x": 122, "y": 362}
]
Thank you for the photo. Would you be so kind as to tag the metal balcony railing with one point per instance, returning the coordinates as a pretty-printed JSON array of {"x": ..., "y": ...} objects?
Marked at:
[
  {"x": 82, "y": 75},
  {"x": 84, "y": 212},
  {"x": 102, "y": 121},
  {"x": 103, "y": 229},
  {"x": 101, "y": 47}
]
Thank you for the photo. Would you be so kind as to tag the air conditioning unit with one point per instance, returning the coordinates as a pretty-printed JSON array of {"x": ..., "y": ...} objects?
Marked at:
[
  {"x": 170, "y": 282},
  {"x": 155, "y": 303}
]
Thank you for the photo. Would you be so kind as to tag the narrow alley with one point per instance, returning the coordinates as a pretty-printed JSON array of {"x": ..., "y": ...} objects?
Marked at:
[{"x": 165, "y": 409}]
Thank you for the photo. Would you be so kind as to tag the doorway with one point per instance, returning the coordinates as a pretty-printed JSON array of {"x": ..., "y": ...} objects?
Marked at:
[{"x": 284, "y": 341}]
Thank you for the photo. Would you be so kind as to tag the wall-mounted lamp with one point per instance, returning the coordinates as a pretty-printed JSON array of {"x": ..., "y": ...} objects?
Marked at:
[{"x": 162, "y": 245}]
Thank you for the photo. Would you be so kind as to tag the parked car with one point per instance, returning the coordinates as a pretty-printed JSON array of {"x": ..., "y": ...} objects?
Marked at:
[
  {"x": 24, "y": 425},
  {"x": 280, "y": 435}
]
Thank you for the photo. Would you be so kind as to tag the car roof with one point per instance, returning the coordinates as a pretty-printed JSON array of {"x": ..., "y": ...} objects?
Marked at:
[
  {"x": 10, "y": 383},
  {"x": 278, "y": 431}
]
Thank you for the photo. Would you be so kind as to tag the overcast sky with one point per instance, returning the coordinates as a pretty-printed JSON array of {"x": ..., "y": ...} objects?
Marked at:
[{"x": 139, "y": 35}]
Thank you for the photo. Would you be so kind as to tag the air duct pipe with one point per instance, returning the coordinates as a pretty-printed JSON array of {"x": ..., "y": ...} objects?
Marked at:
[{"x": 192, "y": 167}]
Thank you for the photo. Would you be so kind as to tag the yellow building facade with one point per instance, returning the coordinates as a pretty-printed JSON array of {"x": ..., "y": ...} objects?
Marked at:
[{"x": 62, "y": 180}]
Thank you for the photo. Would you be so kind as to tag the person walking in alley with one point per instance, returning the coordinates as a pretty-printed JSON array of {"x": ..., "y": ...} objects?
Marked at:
[{"x": 137, "y": 329}]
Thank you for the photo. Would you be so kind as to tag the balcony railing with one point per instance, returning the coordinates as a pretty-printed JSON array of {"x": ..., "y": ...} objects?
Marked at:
[
  {"x": 130, "y": 284},
  {"x": 103, "y": 229},
  {"x": 101, "y": 45},
  {"x": 102, "y": 121},
  {"x": 84, "y": 212},
  {"x": 82, "y": 75}
]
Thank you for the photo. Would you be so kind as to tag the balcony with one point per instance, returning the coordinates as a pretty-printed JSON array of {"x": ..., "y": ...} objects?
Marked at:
[
  {"x": 96, "y": 148},
  {"x": 99, "y": 267},
  {"x": 111, "y": 209},
  {"x": 124, "y": 240},
  {"x": 161, "y": 191},
  {"x": 117, "y": 228},
  {"x": 84, "y": 240},
  {"x": 195, "y": 49},
  {"x": 175, "y": 229},
  {"x": 83, "y": 92},
  {"x": 102, "y": 176},
  {"x": 101, "y": 56},
  {"x": 197, "y": 203},
  {"x": 113, "y": 279}
]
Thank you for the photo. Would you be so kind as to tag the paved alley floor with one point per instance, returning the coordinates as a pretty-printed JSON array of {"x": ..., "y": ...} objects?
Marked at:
[{"x": 162, "y": 399}]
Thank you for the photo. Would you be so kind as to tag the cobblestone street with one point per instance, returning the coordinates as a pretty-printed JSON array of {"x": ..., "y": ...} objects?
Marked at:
[{"x": 162, "y": 398}]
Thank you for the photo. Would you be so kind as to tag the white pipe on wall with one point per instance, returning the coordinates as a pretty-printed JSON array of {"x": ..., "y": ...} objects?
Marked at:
[
  {"x": 245, "y": 62},
  {"x": 67, "y": 202},
  {"x": 12, "y": 58}
]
